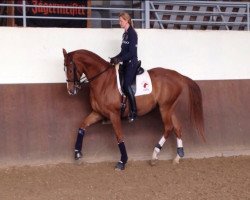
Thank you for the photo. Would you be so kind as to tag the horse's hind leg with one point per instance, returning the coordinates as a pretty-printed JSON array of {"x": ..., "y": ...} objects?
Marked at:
[
  {"x": 92, "y": 118},
  {"x": 178, "y": 133},
  {"x": 168, "y": 126},
  {"x": 157, "y": 150}
]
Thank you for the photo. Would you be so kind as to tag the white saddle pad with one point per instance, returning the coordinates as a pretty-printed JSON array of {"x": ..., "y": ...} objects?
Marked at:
[{"x": 143, "y": 83}]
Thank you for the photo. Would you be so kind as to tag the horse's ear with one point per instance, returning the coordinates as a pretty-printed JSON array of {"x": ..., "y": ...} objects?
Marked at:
[{"x": 65, "y": 53}]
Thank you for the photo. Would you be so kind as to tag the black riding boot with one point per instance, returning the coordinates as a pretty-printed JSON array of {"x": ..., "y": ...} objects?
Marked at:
[{"x": 132, "y": 102}]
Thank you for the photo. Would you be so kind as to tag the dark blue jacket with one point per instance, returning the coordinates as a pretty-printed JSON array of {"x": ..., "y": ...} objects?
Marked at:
[{"x": 129, "y": 46}]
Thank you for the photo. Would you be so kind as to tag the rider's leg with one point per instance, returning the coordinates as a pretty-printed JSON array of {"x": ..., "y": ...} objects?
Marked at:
[
  {"x": 132, "y": 103},
  {"x": 129, "y": 76}
]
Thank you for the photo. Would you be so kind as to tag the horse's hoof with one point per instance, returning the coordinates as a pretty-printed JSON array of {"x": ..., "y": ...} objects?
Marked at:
[
  {"x": 153, "y": 162},
  {"x": 120, "y": 166},
  {"x": 180, "y": 152},
  {"x": 176, "y": 160},
  {"x": 78, "y": 155}
]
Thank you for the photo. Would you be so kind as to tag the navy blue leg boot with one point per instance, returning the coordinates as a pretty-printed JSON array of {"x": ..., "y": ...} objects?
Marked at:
[
  {"x": 78, "y": 145},
  {"x": 180, "y": 151},
  {"x": 124, "y": 157}
]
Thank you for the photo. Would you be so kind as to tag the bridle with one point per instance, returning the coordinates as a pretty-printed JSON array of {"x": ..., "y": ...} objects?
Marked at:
[{"x": 78, "y": 82}]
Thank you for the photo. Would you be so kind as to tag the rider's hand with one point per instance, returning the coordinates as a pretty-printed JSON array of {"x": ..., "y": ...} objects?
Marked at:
[{"x": 115, "y": 60}]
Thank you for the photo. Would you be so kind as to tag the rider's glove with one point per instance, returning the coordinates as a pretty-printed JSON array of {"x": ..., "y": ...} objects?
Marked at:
[{"x": 115, "y": 60}]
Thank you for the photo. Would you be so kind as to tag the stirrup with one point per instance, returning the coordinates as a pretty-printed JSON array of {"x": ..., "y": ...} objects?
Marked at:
[{"x": 132, "y": 117}]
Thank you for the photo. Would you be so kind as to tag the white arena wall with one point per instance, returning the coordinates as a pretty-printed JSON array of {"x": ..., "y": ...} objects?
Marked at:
[{"x": 34, "y": 55}]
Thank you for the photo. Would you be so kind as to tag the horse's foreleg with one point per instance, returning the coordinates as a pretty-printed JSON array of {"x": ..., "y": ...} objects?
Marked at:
[
  {"x": 124, "y": 157},
  {"x": 92, "y": 118},
  {"x": 116, "y": 122}
]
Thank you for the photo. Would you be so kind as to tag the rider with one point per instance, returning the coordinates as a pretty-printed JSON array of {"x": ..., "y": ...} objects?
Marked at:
[{"x": 128, "y": 56}]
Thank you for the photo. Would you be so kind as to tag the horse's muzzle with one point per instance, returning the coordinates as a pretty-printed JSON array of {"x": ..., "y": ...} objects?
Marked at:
[
  {"x": 73, "y": 88},
  {"x": 73, "y": 91}
]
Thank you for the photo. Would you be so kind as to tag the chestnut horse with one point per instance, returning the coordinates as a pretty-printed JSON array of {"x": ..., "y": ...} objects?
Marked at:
[{"x": 105, "y": 100}]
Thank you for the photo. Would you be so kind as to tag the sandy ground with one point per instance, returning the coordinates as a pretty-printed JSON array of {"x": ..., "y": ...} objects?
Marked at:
[{"x": 213, "y": 178}]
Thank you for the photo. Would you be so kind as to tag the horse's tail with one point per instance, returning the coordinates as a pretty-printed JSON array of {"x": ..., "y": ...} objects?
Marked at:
[{"x": 195, "y": 106}]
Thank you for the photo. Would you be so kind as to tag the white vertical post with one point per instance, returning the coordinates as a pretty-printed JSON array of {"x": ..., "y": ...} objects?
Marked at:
[
  {"x": 147, "y": 14},
  {"x": 248, "y": 16},
  {"x": 24, "y": 14}
]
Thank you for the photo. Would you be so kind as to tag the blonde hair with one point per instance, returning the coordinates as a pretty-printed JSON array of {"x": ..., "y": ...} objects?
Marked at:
[{"x": 126, "y": 17}]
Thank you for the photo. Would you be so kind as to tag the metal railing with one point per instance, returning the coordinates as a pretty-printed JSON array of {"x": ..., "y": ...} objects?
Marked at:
[
  {"x": 200, "y": 15},
  {"x": 161, "y": 14}
]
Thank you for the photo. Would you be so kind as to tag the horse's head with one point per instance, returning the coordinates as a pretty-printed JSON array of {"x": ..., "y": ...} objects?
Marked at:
[{"x": 72, "y": 74}]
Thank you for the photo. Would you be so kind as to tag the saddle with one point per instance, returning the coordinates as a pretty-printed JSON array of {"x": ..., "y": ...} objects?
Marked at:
[{"x": 139, "y": 71}]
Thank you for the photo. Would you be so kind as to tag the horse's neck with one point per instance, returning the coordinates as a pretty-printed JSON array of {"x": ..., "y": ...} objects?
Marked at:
[
  {"x": 95, "y": 68},
  {"x": 103, "y": 82},
  {"x": 91, "y": 65}
]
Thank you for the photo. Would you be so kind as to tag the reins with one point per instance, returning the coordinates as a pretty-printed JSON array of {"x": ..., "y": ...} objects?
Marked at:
[
  {"x": 78, "y": 83},
  {"x": 94, "y": 77}
]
